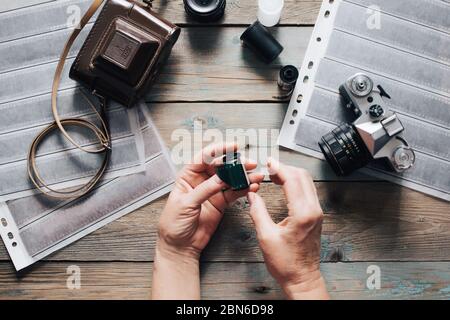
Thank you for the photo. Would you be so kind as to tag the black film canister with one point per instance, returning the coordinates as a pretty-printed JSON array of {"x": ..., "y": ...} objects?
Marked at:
[
  {"x": 287, "y": 78},
  {"x": 205, "y": 10},
  {"x": 259, "y": 39}
]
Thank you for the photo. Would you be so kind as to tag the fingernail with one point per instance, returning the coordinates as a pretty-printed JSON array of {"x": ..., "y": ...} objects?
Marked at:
[
  {"x": 272, "y": 162},
  {"x": 272, "y": 166},
  {"x": 240, "y": 146},
  {"x": 217, "y": 179}
]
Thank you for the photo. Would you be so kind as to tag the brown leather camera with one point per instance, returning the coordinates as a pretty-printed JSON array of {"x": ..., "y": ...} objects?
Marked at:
[
  {"x": 119, "y": 60},
  {"x": 124, "y": 51}
]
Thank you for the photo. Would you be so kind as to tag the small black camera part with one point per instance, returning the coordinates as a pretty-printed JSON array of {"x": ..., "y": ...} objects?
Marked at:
[
  {"x": 376, "y": 132},
  {"x": 232, "y": 172},
  {"x": 205, "y": 10}
]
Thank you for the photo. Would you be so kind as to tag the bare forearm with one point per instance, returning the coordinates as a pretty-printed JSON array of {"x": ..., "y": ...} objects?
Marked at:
[
  {"x": 314, "y": 289},
  {"x": 176, "y": 276}
]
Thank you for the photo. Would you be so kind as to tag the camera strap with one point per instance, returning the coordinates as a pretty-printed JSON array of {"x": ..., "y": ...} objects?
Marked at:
[{"x": 102, "y": 133}]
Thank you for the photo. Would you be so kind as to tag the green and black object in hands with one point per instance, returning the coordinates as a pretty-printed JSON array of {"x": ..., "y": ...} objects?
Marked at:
[{"x": 232, "y": 172}]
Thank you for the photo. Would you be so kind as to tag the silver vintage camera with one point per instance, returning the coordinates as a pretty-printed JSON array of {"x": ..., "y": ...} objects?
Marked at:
[{"x": 375, "y": 134}]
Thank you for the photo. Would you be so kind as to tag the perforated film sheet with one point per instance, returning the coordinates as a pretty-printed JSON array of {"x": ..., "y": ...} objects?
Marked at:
[
  {"x": 32, "y": 226},
  {"x": 402, "y": 45},
  {"x": 36, "y": 226},
  {"x": 31, "y": 40}
]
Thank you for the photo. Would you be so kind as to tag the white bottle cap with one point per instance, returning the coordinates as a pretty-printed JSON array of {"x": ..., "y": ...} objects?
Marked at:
[{"x": 269, "y": 12}]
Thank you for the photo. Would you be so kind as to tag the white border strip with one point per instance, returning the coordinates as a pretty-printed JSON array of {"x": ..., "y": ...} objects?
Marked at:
[{"x": 305, "y": 85}]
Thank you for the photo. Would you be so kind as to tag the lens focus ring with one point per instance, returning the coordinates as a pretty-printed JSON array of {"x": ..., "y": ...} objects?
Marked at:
[
  {"x": 344, "y": 150},
  {"x": 205, "y": 10}
]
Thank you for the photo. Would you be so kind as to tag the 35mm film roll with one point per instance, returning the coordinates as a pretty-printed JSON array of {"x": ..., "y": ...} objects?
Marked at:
[{"x": 287, "y": 78}]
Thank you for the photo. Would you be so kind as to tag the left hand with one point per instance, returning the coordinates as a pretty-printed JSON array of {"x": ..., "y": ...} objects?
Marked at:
[{"x": 196, "y": 205}]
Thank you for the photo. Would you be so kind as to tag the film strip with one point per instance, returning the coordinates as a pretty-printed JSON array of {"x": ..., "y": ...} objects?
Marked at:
[
  {"x": 31, "y": 235},
  {"x": 45, "y": 16},
  {"x": 29, "y": 60},
  {"x": 33, "y": 226}
]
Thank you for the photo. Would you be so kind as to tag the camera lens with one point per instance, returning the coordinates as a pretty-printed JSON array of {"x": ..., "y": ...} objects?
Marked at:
[
  {"x": 205, "y": 10},
  {"x": 344, "y": 150}
]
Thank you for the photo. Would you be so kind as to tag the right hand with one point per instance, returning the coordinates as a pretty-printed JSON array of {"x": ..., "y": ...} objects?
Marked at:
[{"x": 291, "y": 248}]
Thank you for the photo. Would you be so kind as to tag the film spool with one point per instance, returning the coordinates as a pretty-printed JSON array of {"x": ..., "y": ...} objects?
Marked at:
[{"x": 287, "y": 78}]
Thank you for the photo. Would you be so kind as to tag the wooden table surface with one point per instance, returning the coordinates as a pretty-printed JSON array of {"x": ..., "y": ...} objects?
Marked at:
[{"x": 212, "y": 79}]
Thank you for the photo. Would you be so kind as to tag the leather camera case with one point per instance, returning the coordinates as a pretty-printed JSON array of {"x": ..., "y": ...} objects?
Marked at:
[{"x": 124, "y": 51}]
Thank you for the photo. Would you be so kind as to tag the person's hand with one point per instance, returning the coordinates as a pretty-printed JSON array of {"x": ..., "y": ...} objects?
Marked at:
[
  {"x": 291, "y": 248},
  {"x": 198, "y": 200},
  {"x": 191, "y": 215}
]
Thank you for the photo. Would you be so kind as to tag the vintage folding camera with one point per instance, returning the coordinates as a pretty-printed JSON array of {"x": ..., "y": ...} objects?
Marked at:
[
  {"x": 375, "y": 134},
  {"x": 124, "y": 51}
]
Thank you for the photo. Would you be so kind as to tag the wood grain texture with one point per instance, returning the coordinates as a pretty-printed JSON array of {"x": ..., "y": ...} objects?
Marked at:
[
  {"x": 176, "y": 123},
  {"x": 404, "y": 232},
  {"x": 363, "y": 222},
  {"x": 296, "y": 12},
  {"x": 210, "y": 64},
  {"x": 132, "y": 280}
]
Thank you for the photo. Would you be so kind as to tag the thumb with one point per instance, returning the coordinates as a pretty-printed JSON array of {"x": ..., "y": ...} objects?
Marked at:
[
  {"x": 207, "y": 189},
  {"x": 260, "y": 216}
]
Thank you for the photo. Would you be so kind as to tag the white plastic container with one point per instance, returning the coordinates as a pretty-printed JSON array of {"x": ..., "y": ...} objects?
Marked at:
[{"x": 269, "y": 12}]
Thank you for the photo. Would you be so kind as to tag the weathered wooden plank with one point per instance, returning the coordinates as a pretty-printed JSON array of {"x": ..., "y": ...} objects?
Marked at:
[
  {"x": 132, "y": 280},
  {"x": 176, "y": 122},
  {"x": 296, "y": 12},
  {"x": 363, "y": 222},
  {"x": 209, "y": 64}
]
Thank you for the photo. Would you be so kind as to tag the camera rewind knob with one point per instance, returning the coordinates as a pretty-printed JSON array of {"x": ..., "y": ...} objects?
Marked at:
[
  {"x": 404, "y": 158},
  {"x": 361, "y": 85}
]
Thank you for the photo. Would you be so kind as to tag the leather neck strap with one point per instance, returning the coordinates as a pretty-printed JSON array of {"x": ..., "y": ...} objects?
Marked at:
[
  {"x": 57, "y": 79},
  {"x": 101, "y": 133}
]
